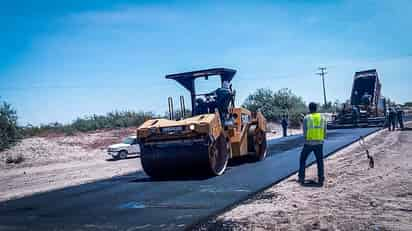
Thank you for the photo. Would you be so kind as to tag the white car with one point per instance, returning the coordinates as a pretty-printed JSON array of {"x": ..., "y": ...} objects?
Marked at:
[{"x": 122, "y": 150}]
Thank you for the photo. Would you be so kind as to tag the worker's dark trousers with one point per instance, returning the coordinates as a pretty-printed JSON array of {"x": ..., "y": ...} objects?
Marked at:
[
  {"x": 285, "y": 131},
  {"x": 392, "y": 125},
  {"x": 318, "y": 151},
  {"x": 401, "y": 123}
]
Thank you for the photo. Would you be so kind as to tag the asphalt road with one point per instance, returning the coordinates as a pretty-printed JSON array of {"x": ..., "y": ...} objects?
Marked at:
[{"x": 134, "y": 202}]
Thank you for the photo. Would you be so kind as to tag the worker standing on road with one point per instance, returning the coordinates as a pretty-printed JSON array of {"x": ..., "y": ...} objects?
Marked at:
[
  {"x": 392, "y": 119},
  {"x": 284, "y": 124},
  {"x": 314, "y": 132},
  {"x": 355, "y": 116},
  {"x": 399, "y": 116}
]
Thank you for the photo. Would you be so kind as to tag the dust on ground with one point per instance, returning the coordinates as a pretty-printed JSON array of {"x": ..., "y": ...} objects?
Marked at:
[
  {"x": 56, "y": 161},
  {"x": 354, "y": 197}
]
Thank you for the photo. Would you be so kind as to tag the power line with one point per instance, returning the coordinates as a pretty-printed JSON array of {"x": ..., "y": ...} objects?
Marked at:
[{"x": 322, "y": 73}]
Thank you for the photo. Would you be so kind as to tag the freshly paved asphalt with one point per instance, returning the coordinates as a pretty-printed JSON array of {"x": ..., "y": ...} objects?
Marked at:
[{"x": 134, "y": 202}]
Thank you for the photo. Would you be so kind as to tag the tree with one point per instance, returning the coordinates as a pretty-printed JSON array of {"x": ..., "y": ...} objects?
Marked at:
[
  {"x": 9, "y": 132},
  {"x": 275, "y": 104},
  {"x": 262, "y": 100},
  {"x": 408, "y": 104}
]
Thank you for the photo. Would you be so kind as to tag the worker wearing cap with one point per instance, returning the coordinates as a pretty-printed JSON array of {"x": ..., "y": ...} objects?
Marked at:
[
  {"x": 223, "y": 98},
  {"x": 399, "y": 116},
  {"x": 392, "y": 119},
  {"x": 355, "y": 116},
  {"x": 201, "y": 107},
  {"x": 284, "y": 124},
  {"x": 314, "y": 132}
]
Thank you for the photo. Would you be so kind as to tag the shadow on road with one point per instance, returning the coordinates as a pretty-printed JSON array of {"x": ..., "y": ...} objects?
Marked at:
[
  {"x": 127, "y": 158},
  {"x": 309, "y": 183},
  {"x": 145, "y": 179},
  {"x": 312, "y": 184},
  {"x": 240, "y": 160}
]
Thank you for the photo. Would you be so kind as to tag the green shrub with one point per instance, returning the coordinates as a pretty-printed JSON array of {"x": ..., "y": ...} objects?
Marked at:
[
  {"x": 274, "y": 105},
  {"x": 9, "y": 132},
  {"x": 116, "y": 119}
]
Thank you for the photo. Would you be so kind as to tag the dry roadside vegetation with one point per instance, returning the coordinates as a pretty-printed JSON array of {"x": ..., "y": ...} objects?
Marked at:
[{"x": 355, "y": 197}]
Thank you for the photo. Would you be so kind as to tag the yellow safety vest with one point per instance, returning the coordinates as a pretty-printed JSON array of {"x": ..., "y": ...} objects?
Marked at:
[{"x": 315, "y": 125}]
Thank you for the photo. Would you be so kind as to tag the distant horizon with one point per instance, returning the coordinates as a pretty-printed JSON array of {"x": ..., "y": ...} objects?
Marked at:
[
  {"x": 62, "y": 61},
  {"x": 156, "y": 114}
]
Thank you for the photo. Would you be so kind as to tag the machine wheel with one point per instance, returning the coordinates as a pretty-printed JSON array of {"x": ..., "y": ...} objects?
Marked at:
[
  {"x": 257, "y": 143},
  {"x": 219, "y": 150},
  {"x": 150, "y": 167},
  {"x": 122, "y": 155}
]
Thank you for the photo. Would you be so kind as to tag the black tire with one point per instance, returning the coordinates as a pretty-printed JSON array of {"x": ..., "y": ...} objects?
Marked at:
[
  {"x": 122, "y": 155},
  {"x": 219, "y": 150},
  {"x": 257, "y": 143},
  {"x": 149, "y": 166}
]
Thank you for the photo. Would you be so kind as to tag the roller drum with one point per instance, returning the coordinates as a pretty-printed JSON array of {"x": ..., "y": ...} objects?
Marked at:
[{"x": 184, "y": 158}]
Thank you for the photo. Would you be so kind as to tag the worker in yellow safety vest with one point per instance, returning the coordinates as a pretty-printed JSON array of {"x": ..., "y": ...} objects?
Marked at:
[{"x": 314, "y": 132}]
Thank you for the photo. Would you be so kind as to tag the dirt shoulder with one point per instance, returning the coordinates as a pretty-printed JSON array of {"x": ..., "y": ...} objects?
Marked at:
[
  {"x": 355, "y": 197},
  {"x": 54, "y": 162}
]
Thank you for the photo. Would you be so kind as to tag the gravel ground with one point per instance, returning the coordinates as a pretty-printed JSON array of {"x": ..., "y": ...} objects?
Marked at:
[{"x": 355, "y": 196}]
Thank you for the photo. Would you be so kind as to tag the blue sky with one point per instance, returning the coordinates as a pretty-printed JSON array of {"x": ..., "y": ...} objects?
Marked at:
[{"x": 75, "y": 58}]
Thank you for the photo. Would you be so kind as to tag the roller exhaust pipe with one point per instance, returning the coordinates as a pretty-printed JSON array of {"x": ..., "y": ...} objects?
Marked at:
[
  {"x": 182, "y": 107},
  {"x": 171, "y": 112}
]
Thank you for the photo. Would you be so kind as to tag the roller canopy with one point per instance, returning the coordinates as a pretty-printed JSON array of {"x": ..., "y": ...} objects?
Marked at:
[{"x": 187, "y": 79}]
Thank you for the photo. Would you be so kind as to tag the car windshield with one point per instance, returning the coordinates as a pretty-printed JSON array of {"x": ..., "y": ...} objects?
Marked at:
[{"x": 128, "y": 140}]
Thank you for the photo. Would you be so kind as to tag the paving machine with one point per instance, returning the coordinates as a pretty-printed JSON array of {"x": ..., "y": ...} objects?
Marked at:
[
  {"x": 366, "y": 107},
  {"x": 203, "y": 142}
]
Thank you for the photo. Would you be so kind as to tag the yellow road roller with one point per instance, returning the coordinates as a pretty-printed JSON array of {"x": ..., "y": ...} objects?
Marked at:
[{"x": 203, "y": 141}]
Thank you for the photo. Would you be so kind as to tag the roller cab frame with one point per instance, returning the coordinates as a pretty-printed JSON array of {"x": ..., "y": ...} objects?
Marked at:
[{"x": 203, "y": 143}]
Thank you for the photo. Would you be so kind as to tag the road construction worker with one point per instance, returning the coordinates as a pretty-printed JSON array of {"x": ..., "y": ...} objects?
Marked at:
[
  {"x": 201, "y": 107},
  {"x": 366, "y": 99},
  {"x": 284, "y": 124},
  {"x": 399, "y": 116},
  {"x": 314, "y": 132},
  {"x": 356, "y": 97},
  {"x": 223, "y": 98},
  {"x": 392, "y": 119},
  {"x": 355, "y": 116}
]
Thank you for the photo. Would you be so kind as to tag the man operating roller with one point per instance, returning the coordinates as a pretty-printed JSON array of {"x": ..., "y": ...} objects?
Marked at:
[
  {"x": 314, "y": 132},
  {"x": 223, "y": 98}
]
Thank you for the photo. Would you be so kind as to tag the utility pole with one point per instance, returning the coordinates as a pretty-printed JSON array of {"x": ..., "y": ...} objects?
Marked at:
[{"x": 322, "y": 74}]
